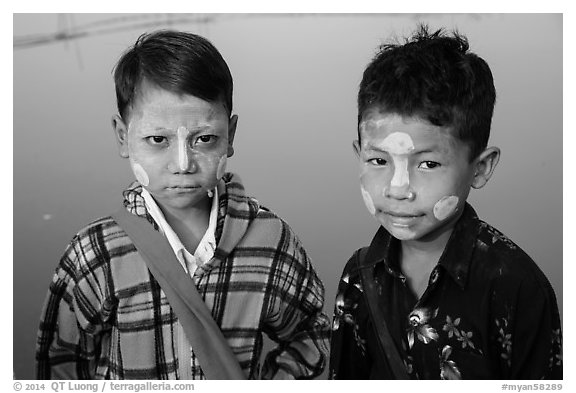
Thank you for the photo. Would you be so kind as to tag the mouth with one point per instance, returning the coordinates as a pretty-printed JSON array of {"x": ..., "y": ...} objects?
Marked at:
[
  {"x": 402, "y": 220},
  {"x": 182, "y": 187}
]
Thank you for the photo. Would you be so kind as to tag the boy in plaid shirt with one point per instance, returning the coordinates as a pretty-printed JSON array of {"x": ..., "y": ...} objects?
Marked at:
[{"x": 105, "y": 316}]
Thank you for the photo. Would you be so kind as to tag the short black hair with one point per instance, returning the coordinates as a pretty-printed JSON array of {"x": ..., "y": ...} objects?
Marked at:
[
  {"x": 176, "y": 61},
  {"x": 433, "y": 76}
]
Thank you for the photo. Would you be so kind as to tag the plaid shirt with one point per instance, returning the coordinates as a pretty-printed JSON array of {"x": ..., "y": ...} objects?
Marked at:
[{"x": 106, "y": 317}]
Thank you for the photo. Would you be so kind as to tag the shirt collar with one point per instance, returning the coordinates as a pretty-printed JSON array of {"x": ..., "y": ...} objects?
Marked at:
[
  {"x": 457, "y": 256},
  {"x": 207, "y": 245},
  {"x": 455, "y": 259}
]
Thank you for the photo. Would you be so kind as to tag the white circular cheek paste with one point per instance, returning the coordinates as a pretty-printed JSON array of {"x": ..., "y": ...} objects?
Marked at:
[
  {"x": 368, "y": 201},
  {"x": 221, "y": 167},
  {"x": 445, "y": 207},
  {"x": 140, "y": 173}
]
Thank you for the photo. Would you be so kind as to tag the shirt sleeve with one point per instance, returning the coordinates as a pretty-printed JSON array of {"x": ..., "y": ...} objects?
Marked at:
[
  {"x": 295, "y": 320},
  {"x": 349, "y": 358},
  {"x": 528, "y": 337},
  {"x": 68, "y": 338}
]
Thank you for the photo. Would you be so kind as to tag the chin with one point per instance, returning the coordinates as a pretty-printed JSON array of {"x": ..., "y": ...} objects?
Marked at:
[
  {"x": 184, "y": 202},
  {"x": 402, "y": 233}
]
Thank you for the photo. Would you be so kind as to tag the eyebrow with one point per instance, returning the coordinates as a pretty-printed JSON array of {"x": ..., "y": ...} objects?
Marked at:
[
  {"x": 370, "y": 146},
  {"x": 429, "y": 149},
  {"x": 432, "y": 149},
  {"x": 194, "y": 130}
]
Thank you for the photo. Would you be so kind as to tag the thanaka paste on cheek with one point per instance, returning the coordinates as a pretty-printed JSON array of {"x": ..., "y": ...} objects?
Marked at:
[
  {"x": 221, "y": 167},
  {"x": 368, "y": 201},
  {"x": 445, "y": 207},
  {"x": 140, "y": 173},
  {"x": 137, "y": 169}
]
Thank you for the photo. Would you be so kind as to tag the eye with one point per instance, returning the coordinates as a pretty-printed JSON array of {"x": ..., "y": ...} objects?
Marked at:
[
  {"x": 429, "y": 164},
  {"x": 377, "y": 161},
  {"x": 206, "y": 139},
  {"x": 156, "y": 139}
]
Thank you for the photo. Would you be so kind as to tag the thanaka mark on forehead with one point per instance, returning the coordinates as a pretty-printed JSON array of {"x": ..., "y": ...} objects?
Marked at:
[
  {"x": 370, "y": 125},
  {"x": 397, "y": 143},
  {"x": 162, "y": 125},
  {"x": 189, "y": 129}
]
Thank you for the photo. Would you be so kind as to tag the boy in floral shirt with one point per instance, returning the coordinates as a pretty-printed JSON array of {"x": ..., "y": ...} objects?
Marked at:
[{"x": 459, "y": 299}]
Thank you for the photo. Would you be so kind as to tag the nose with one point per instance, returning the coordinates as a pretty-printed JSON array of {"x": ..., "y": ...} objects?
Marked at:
[
  {"x": 400, "y": 192},
  {"x": 399, "y": 186},
  {"x": 182, "y": 160}
]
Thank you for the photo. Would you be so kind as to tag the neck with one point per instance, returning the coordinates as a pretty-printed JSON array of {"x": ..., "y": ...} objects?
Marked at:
[
  {"x": 419, "y": 257},
  {"x": 426, "y": 249},
  {"x": 417, "y": 260},
  {"x": 433, "y": 244},
  {"x": 193, "y": 221}
]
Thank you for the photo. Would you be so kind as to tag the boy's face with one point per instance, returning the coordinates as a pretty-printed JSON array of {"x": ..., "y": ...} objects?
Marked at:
[
  {"x": 177, "y": 145},
  {"x": 415, "y": 177}
]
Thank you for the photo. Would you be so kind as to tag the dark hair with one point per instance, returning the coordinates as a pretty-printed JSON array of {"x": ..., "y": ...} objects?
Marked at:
[
  {"x": 179, "y": 62},
  {"x": 435, "y": 77}
]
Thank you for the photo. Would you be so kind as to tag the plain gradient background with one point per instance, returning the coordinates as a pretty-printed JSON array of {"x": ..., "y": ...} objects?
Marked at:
[{"x": 296, "y": 79}]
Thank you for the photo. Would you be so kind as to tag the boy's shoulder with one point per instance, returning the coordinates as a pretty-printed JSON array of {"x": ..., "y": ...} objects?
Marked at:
[
  {"x": 101, "y": 239},
  {"x": 244, "y": 206},
  {"x": 248, "y": 223},
  {"x": 491, "y": 239},
  {"x": 498, "y": 257},
  {"x": 350, "y": 276},
  {"x": 101, "y": 230},
  {"x": 273, "y": 228}
]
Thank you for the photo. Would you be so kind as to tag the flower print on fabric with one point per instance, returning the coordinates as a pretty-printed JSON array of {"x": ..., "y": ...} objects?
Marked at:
[
  {"x": 419, "y": 327},
  {"x": 448, "y": 369},
  {"x": 556, "y": 350},
  {"x": 340, "y": 313},
  {"x": 452, "y": 328},
  {"x": 481, "y": 280},
  {"x": 497, "y": 235},
  {"x": 505, "y": 340},
  {"x": 408, "y": 360},
  {"x": 466, "y": 339},
  {"x": 360, "y": 342},
  {"x": 434, "y": 276},
  {"x": 346, "y": 305}
]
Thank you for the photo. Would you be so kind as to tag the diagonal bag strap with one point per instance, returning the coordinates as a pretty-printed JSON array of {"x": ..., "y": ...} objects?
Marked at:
[
  {"x": 215, "y": 355},
  {"x": 384, "y": 338}
]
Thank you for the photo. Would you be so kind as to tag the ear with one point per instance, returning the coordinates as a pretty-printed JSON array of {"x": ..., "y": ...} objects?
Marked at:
[
  {"x": 121, "y": 133},
  {"x": 485, "y": 164},
  {"x": 231, "y": 132},
  {"x": 356, "y": 147}
]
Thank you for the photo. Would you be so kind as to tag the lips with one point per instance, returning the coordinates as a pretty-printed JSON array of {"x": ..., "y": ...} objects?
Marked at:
[
  {"x": 182, "y": 187},
  {"x": 401, "y": 215},
  {"x": 402, "y": 219}
]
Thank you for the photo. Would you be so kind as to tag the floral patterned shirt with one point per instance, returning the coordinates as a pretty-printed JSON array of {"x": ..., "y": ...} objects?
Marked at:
[{"x": 488, "y": 313}]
